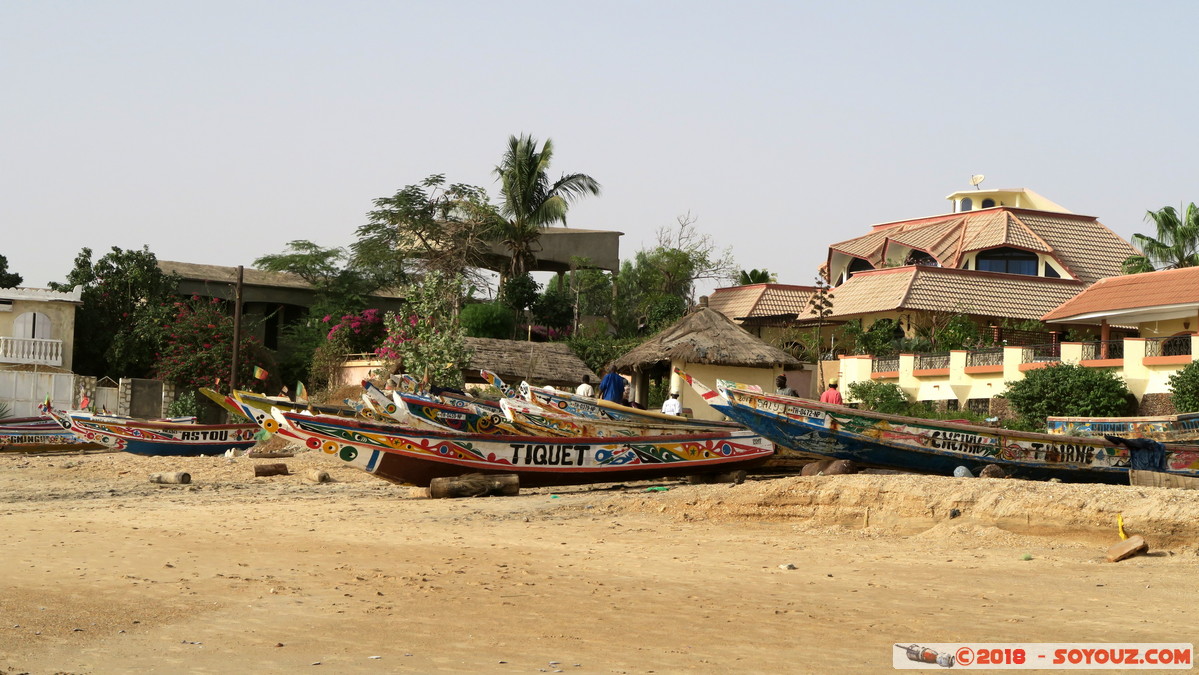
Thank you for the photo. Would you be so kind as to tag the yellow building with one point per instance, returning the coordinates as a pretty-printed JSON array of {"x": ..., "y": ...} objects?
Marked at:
[{"x": 37, "y": 327}]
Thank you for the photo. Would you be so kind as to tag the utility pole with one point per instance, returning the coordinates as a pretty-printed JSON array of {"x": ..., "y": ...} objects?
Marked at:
[{"x": 236, "y": 327}]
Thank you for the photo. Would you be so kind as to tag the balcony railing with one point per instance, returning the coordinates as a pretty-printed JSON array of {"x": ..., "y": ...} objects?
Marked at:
[
  {"x": 1105, "y": 349},
  {"x": 985, "y": 357},
  {"x": 931, "y": 361},
  {"x": 1179, "y": 345},
  {"x": 1049, "y": 353},
  {"x": 31, "y": 350},
  {"x": 885, "y": 365}
]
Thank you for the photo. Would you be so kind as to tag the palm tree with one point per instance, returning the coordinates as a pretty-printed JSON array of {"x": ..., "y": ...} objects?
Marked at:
[
  {"x": 748, "y": 277},
  {"x": 529, "y": 201},
  {"x": 1176, "y": 244}
]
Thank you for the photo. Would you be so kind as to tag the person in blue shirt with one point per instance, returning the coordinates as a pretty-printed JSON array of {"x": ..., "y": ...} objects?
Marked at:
[{"x": 612, "y": 386}]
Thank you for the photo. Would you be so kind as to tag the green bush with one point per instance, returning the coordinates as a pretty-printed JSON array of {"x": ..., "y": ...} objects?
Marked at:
[
  {"x": 1184, "y": 388},
  {"x": 488, "y": 320},
  {"x": 1068, "y": 390},
  {"x": 883, "y": 397}
]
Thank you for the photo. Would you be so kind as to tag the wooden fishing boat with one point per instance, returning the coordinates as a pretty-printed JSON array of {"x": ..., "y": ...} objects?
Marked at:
[
  {"x": 39, "y": 434},
  {"x": 426, "y": 413},
  {"x": 599, "y": 409},
  {"x": 142, "y": 437},
  {"x": 405, "y": 455},
  {"x": 932, "y": 446},
  {"x": 1165, "y": 428},
  {"x": 534, "y": 419}
]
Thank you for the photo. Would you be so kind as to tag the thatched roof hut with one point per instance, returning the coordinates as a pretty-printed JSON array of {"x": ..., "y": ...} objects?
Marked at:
[
  {"x": 706, "y": 344},
  {"x": 541, "y": 363}
]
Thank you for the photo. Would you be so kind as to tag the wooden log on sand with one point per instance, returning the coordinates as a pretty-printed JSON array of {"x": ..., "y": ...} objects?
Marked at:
[
  {"x": 173, "y": 477},
  {"x": 318, "y": 476},
  {"x": 270, "y": 470},
  {"x": 474, "y": 485}
]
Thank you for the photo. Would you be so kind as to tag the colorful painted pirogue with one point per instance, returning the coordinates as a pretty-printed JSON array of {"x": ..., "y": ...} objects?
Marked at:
[
  {"x": 39, "y": 434},
  {"x": 1164, "y": 428},
  {"x": 931, "y": 446},
  {"x": 598, "y": 409},
  {"x": 406, "y": 455},
  {"x": 534, "y": 419},
  {"x": 141, "y": 437},
  {"x": 425, "y": 413}
]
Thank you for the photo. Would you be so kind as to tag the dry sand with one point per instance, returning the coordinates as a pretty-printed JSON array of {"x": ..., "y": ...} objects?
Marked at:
[{"x": 105, "y": 572}]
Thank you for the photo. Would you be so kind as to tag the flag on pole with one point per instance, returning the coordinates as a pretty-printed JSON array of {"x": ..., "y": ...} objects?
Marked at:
[{"x": 259, "y": 373}]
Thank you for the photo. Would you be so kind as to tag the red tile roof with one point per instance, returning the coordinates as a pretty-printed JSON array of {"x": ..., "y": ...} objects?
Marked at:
[
  {"x": 760, "y": 300},
  {"x": 941, "y": 289},
  {"x": 1167, "y": 288}
]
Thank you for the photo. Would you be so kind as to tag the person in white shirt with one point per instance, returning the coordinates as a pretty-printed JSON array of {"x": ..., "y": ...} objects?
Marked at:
[
  {"x": 585, "y": 389},
  {"x": 672, "y": 406}
]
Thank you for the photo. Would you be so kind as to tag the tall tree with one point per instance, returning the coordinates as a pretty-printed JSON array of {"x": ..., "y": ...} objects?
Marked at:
[
  {"x": 426, "y": 227},
  {"x": 8, "y": 279},
  {"x": 126, "y": 301},
  {"x": 528, "y": 201},
  {"x": 1175, "y": 245}
]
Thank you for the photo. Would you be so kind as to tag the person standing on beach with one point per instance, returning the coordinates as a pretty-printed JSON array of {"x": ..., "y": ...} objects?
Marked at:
[
  {"x": 831, "y": 395},
  {"x": 585, "y": 389},
  {"x": 612, "y": 386}
]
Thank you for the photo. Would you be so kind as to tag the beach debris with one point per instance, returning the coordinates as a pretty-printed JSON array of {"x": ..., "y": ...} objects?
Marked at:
[
  {"x": 270, "y": 470},
  {"x": 954, "y": 513},
  {"x": 1120, "y": 525},
  {"x": 1134, "y": 545},
  {"x": 992, "y": 471},
  {"x": 171, "y": 477},
  {"x": 1026, "y": 556},
  {"x": 474, "y": 485},
  {"x": 318, "y": 476},
  {"x": 829, "y": 467},
  {"x": 962, "y": 472},
  {"x": 657, "y": 488},
  {"x": 787, "y": 566}
]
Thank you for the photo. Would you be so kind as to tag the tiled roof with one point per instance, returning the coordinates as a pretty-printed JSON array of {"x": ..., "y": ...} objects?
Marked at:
[
  {"x": 760, "y": 300},
  {"x": 1088, "y": 249},
  {"x": 1167, "y": 288},
  {"x": 950, "y": 290},
  {"x": 1084, "y": 245}
]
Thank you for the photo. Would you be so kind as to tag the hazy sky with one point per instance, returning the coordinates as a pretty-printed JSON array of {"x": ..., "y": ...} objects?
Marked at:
[{"x": 215, "y": 132}]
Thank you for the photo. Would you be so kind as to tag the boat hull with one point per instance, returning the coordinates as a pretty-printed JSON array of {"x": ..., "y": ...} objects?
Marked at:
[
  {"x": 39, "y": 434},
  {"x": 160, "y": 438},
  {"x": 930, "y": 446},
  {"x": 403, "y": 455}
]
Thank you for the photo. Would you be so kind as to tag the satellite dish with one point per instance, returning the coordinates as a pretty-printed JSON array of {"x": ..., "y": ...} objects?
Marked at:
[{"x": 976, "y": 179}]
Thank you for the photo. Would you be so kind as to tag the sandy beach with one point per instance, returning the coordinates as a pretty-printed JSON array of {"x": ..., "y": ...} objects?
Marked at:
[{"x": 105, "y": 572}]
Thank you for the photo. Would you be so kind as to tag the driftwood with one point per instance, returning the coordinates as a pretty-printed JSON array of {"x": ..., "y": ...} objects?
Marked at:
[
  {"x": 175, "y": 477},
  {"x": 474, "y": 485},
  {"x": 318, "y": 476},
  {"x": 270, "y": 470}
]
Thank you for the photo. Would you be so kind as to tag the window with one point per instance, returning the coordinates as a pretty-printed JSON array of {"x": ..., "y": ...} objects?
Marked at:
[
  {"x": 1051, "y": 273},
  {"x": 967, "y": 203},
  {"x": 1008, "y": 260},
  {"x": 858, "y": 265},
  {"x": 988, "y": 203},
  {"x": 32, "y": 325}
]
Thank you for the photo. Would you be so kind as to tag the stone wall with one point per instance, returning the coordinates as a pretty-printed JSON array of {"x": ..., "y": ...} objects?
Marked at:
[{"x": 1156, "y": 404}]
